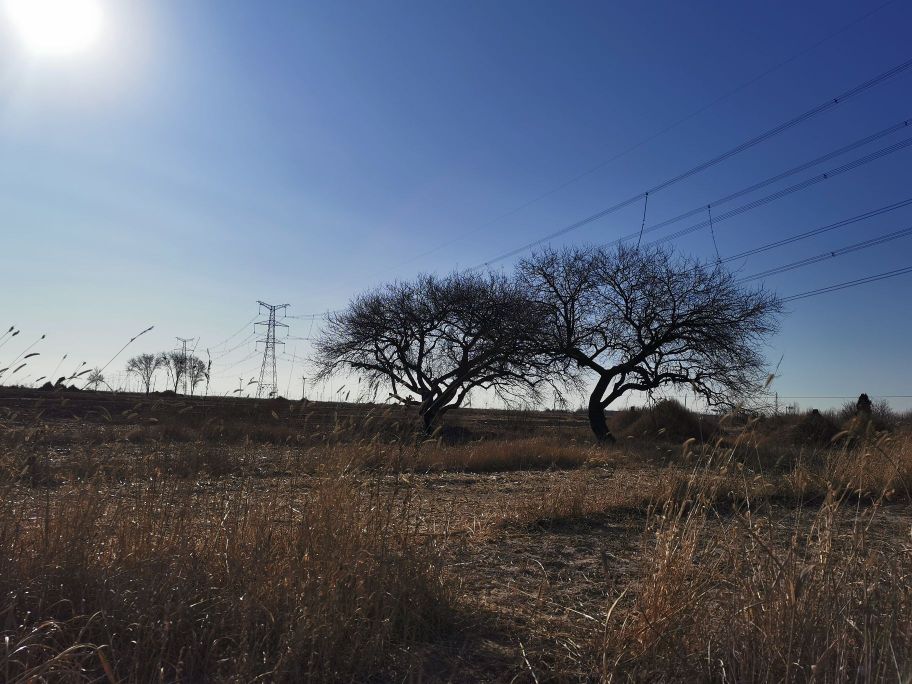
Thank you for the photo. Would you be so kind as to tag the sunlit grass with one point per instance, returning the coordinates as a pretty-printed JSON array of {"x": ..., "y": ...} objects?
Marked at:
[{"x": 154, "y": 542}]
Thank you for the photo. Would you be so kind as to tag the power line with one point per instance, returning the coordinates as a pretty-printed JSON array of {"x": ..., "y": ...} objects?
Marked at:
[
  {"x": 712, "y": 231},
  {"x": 750, "y": 143},
  {"x": 817, "y": 231},
  {"x": 776, "y": 178},
  {"x": 643, "y": 222},
  {"x": 233, "y": 335},
  {"x": 832, "y": 254},
  {"x": 791, "y": 123},
  {"x": 849, "y": 283},
  {"x": 876, "y": 396},
  {"x": 223, "y": 354},
  {"x": 850, "y": 166},
  {"x": 309, "y": 317},
  {"x": 744, "y": 146},
  {"x": 650, "y": 138},
  {"x": 251, "y": 355},
  {"x": 740, "y": 255},
  {"x": 791, "y": 189},
  {"x": 294, "y": 359}
]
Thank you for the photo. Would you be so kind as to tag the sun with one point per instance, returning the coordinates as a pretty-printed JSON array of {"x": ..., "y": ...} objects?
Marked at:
[{"x": 56, "y": 27}]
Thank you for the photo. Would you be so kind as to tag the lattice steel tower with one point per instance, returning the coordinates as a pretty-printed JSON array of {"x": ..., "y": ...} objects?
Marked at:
[
  {"x": 268, "y": 385},
  {"x": 184, "y": 360}
]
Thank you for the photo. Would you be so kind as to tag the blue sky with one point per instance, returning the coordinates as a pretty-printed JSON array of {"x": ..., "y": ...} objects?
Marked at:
[{"x": 205, "y": 155}]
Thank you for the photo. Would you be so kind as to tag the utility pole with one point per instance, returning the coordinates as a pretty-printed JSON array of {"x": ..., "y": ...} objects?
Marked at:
[
  {"x": 184, "y": 358},
  {"x": 268, "y": 385}
]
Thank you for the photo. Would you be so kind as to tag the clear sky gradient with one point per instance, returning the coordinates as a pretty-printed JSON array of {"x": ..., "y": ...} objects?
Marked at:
[{"x": 205, "y": 155}]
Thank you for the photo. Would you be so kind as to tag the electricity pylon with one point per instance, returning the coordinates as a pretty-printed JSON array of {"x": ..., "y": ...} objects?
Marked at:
[
  {"x": 268, "y": 385},
  {"x": 184, "y": 359}
]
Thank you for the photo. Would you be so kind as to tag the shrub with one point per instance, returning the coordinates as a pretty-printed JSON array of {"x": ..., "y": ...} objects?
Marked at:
[
  {"x": 667, "y": 420},
  {"x": 814, "y": 429}
]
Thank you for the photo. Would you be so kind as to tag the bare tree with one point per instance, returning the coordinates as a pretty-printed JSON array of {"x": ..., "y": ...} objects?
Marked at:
[
  {"x": 95, "y": 379},
  {"x": 434, "y": 340},
  {"x": 175, "y": 363},
  {"x": 144, "y": 367},
  {"x": 181, "y": 366},
  {"x": 197, "y": 371},
  {"x": 640, "y": 319}
]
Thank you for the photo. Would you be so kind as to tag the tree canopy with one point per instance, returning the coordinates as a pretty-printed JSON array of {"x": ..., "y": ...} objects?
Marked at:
[
  {"x": 435, "y": 339},
  {"x": 643, "y": 318},
  {"x": 144, "y": 367},
  {"x": 632, "y": 319}
]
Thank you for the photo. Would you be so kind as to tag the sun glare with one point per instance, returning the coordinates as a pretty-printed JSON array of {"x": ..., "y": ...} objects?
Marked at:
[{"x": 56, "y": 27}]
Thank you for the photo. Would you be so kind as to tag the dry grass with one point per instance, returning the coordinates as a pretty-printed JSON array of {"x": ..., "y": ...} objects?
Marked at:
[
  {"x": 570, "y": 497},
  {"x": 435, "y": 456},
  {"x": 534, "y": 453},
  {"x": 168, "y": 581},
  {"x": 28, "y": 462},
  {"x": 746, "y": 597},
  {"x": 802, "y": 575},
  {"x": 186, "y": 556}
]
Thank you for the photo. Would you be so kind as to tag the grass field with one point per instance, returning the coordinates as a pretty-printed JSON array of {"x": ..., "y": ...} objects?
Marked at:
[{"x": 170, "y": 539}]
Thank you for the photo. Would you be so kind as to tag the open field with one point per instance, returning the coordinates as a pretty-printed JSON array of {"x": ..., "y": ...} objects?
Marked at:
[{"x": 174, "y": 539}]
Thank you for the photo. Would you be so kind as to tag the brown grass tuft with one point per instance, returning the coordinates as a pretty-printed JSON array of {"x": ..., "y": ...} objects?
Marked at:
[
  {"x": 736, "y": 595},
  {"x": 164, "y": 580}
]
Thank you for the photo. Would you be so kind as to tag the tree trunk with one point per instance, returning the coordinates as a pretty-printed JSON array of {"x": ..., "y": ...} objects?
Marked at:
[
  {"x": 597, "y": 413},
  {"x": 429, "y": 415},
  {"x": 434, "y": 406},
  {"x": 432, "y": 413},
  {"x": 426, "y": 412}
]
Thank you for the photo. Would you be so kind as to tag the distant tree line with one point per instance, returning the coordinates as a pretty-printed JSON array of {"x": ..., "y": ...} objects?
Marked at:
[
  {"x": 609, "y": 320},
  {"x": 177, "y": 366}
]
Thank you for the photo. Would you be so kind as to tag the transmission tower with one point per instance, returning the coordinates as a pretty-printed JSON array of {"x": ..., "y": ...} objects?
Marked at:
[
  {"x": 184, "y": 358},
  {"x": 268, "y": 385}
]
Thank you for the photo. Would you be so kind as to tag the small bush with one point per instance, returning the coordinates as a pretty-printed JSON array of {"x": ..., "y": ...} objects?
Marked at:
[
  {"x": 814, "y": 429},
  {"x": 668, "y": 420}
]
